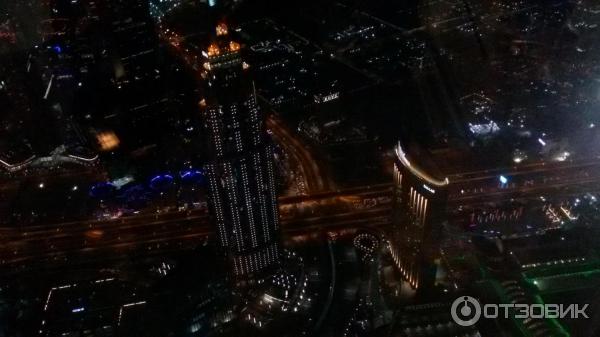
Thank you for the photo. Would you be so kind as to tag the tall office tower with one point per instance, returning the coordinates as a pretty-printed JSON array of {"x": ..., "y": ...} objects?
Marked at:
[
  {"x": 240, "y": 172},
  {"x": 419, "y": 213}
]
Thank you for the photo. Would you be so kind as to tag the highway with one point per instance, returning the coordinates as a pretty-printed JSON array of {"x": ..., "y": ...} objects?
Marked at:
[
  {"x": 316, "y": 178},
  {"x": 147, "y": 235},
  {"x": 524, "y": 169},
  {"x": 161, "y": 239},
  {"x": 533, "y": 180}
]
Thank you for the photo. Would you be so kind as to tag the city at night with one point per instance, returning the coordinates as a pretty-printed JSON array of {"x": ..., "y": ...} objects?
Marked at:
[{"x": 327, "y": 168}]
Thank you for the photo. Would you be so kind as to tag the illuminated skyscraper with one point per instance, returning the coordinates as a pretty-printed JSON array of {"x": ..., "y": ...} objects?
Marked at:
[
  {"x": 240, "y": 172},
  {"x": 419, "y": 213}
]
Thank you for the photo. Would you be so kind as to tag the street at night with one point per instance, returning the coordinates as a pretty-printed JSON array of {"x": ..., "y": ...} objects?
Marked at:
[{"x": 331, "y": 168}]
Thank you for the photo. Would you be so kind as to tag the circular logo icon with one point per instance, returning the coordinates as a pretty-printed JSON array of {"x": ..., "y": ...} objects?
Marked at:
[{"x": 465, "y": 311}]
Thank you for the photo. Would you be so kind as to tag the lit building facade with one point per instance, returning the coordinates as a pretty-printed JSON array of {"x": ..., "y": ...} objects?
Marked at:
[
  {"x": 240, "y": 172},
  {"x": 419, "y": 213}
]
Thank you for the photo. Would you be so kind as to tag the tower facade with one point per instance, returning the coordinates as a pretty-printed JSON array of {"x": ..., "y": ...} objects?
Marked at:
[
  {"x": 240, "y": 171},
  {"x": 419, "y": 213}
]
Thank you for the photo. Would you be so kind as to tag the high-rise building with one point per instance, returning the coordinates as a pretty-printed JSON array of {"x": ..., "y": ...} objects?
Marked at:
[
  {"x": 240, "y": 170},
  {"x": 419, "y": 213}
]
